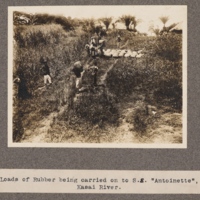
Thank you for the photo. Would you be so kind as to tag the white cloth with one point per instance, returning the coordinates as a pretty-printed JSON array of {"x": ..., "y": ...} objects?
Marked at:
[{"x": 47, "y": 78}]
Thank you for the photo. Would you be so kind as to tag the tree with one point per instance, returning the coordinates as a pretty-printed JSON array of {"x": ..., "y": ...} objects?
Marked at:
[
  {"x": 154, "y": 30},
  {"x": 167, "y": 29},
  {"x": 89, "y": 25},
  {"x": 135, "y": 22},
  {"x": 164, "y": 20},
  {"x": 126, "y": 19},
  {"x": 106, "y": 21},
  {"x": 129, "y": 20},
  {"x": 171, "y": 27}
]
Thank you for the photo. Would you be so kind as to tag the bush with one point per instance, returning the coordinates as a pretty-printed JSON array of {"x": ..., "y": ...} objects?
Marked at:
[
  {"x": 125, "y": 75},
  {"x": 159, "y": 78},
  {"x": 17, "y": 123},
  {"x": 169, "y": 90},
  {"x": 53, "y": 43},
  {"x": 97, "y": 107},
  {"x": 60, "y": 49},
  {"x": 169, "y": 47},
  {"x": 141, "y": 118},
  {"x": 44, "y": 19}
]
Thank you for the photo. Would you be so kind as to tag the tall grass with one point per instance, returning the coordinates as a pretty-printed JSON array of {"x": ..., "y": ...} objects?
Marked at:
[
  {"x": 169, "y": 47},
  {"x": 51, "y": 42},
  {"x": 60, "y": 49},
  {"x": 158, "y": 73}
]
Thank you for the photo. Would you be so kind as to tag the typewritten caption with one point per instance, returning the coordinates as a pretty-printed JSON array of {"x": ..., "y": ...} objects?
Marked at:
[{"x": 99, "y": 181}]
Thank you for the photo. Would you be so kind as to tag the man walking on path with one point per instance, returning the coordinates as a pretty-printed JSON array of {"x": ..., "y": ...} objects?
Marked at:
[{"x": 94, "y": 70}]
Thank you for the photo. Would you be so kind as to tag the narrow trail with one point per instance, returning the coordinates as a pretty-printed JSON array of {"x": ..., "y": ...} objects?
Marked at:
[
  {"x": 38, "y": 135},
  {"x": 163, "y": 132},
  {"x": 103, "y": 77}
]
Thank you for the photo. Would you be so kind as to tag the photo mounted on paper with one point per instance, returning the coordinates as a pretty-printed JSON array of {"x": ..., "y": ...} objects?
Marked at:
[{"x": 97, "y": 76}]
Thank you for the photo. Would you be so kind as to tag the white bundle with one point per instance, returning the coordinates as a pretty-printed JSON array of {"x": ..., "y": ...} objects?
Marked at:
[
  {"x": 116, "y": 53},
  {"x": 139, "y": 55},
  {"x": 128, "y": 54},
  {"x": 107, "y": 53},
  {"x": 122, "y": 53},
  {"x": 134, "y": 54}
]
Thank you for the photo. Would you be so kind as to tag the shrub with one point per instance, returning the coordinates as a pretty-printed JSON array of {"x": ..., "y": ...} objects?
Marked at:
[
  {"x": 142, "y": 117},
  {"x": 124, "y": 76},
  {"x": 94, "y": 107},
  {"x": 169, "y": 86},
  {"x": 159, "y": 78},
  {"x": 53, "y": 43},
  {"x": 169, "y": 47},
  {"x": 17, "y": 123},
  {"x": 44, "y": 19}
]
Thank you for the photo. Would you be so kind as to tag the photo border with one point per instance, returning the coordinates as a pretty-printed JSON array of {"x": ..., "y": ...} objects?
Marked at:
[{"x": 183, "y": 145}]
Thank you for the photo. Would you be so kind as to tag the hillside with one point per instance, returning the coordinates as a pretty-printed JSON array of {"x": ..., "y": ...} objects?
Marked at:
[{"x": 138, "y": 100}]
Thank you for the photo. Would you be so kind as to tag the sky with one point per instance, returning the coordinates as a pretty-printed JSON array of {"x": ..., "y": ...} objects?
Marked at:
[{"x": 149, "y": 15}]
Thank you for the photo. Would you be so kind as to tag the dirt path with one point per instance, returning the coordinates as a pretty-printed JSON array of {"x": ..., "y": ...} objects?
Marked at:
[
  {"x": 39, "y": 133},
  {"x": 167, "y": 129},
  {"x": 103, "y": 77}
]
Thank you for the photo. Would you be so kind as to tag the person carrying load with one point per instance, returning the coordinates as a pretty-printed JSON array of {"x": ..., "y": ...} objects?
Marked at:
[
  {"x": 93, "y": 71},
  {"x": 78, "y": 71},
  {"x": 93, "y": 46},
  {"x": 101, "y": 45}
]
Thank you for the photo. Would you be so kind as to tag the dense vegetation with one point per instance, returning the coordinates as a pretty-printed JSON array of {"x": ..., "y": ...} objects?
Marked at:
[{"x": 157, "y": 75}]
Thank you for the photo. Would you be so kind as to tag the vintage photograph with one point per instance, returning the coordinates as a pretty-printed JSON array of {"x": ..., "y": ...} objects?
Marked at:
[{"x": 97, "y": 76}]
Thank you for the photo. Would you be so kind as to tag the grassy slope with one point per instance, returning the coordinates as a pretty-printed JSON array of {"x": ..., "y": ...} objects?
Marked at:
[{"x": 48, "y": 117}]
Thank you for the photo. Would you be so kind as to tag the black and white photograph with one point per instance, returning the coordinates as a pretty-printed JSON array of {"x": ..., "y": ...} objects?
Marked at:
[{"x": 97, "y": 76}]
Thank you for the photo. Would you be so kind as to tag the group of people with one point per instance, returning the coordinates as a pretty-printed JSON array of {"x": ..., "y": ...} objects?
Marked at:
[
  {"x": 95, "y": 46},
  {"x": 79, "y": 71}
]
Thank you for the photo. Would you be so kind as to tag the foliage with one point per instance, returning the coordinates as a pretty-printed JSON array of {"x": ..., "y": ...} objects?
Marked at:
[
  {"x": 157, "y": 74},
  {"x": 94, "y": 107},
  {"x": 164, "y": 19},
  {"x": 135, "y": 22},
  {"x": 41, "y": 19},
  {"x": 89, "y": 26},
  {"x": 169, "y": 47},
  {"x": 54, "y": 45},
  {"x": 127, "y": 19},
  {"x": 106, "y": 21},
  {"x": 154, "y": 30},
  {"x": 124, "y": 77}
]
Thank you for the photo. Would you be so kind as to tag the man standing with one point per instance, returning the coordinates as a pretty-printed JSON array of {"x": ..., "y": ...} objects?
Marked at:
[
  {"x": 46, "y": 72},
  {"x": 118, "y": 41},
  {"x": 93, "y": 46},
  {"x": 94, "y": 70},
  {"x": 101, "y": 43}
]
